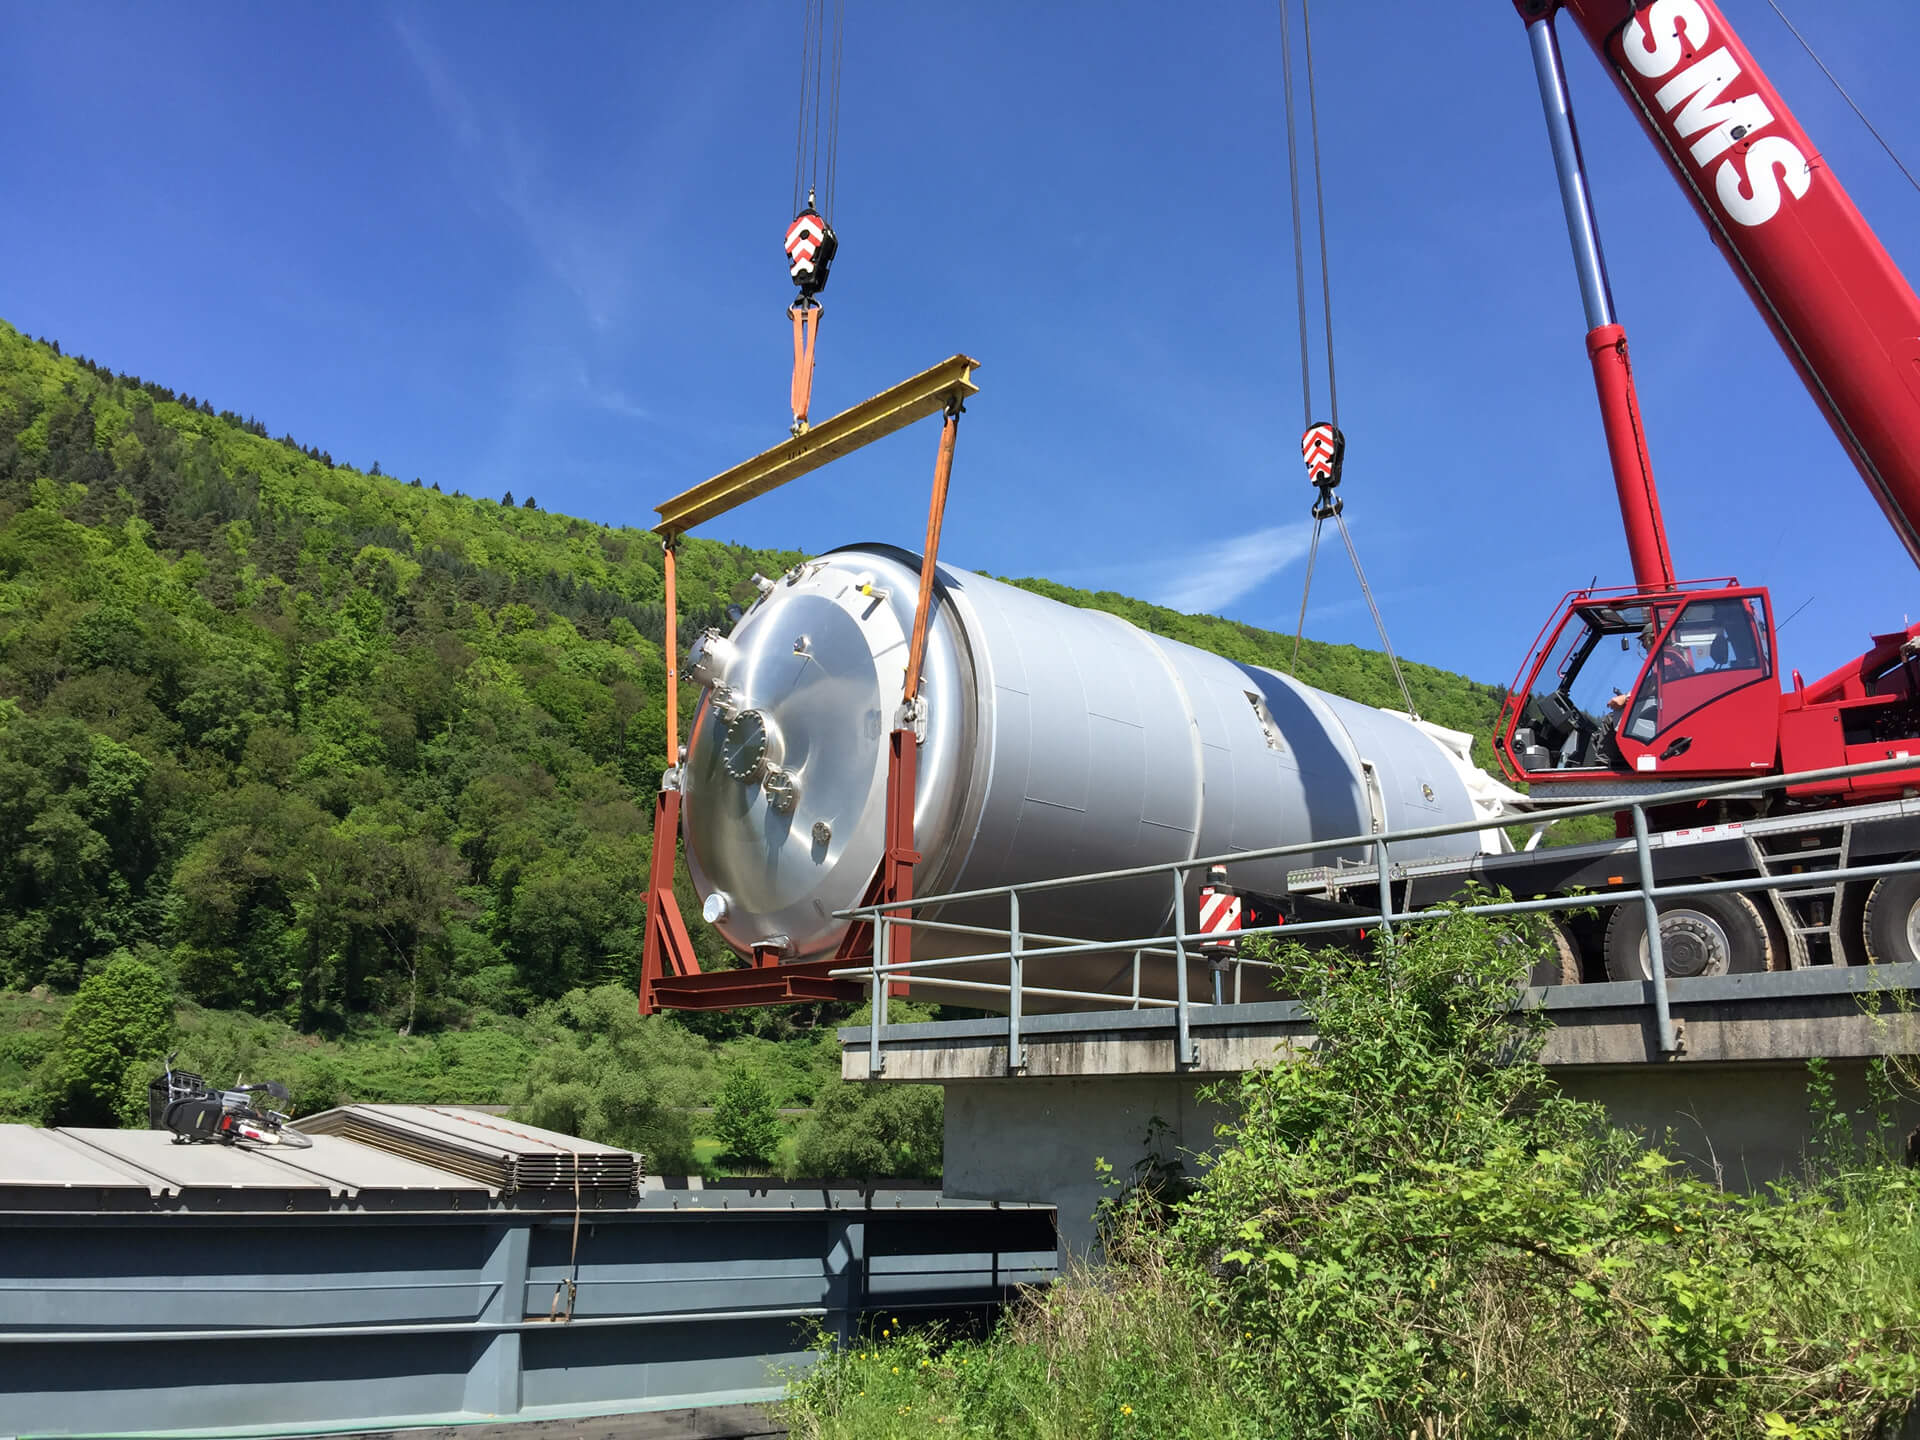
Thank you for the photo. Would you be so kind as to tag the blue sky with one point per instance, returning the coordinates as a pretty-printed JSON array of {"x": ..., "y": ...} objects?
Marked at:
[{"x": 537, "y": 249}]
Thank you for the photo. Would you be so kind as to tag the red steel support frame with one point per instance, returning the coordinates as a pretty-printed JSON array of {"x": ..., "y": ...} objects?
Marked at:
[
  {"x": 667, "y": 948},
  {"x": 670, "y": 975}
]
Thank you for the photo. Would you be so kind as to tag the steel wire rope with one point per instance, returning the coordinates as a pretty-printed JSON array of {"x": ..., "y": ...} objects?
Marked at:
[
  {"x": 815, "y": 178},
  {"x": 1319, "y": 212},
  {"x": 1378, "y": 623},
  {"x": 833, "y": 108},
  {"x": 1325, "y": 505},
  {"x": 817, "y": 9},
  {"x": 1293, "y": 195},
  {"x": 1871, "y": 130},
  {"x": 800, "y": 122}
]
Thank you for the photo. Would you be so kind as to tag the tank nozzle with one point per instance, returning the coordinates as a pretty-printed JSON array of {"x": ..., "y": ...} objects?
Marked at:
[{"x": 711, "y": 657}]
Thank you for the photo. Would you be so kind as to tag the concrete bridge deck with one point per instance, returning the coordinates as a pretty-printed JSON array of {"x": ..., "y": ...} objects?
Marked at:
[{"x": 1734, "y": 1097}]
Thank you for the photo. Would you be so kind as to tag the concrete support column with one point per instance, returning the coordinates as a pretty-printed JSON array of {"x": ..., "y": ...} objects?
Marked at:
[{"x": 493, "y": 1379}]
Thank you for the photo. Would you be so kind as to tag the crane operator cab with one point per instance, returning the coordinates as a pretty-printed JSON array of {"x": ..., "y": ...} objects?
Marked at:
[{"x": 1676, "y": 683}]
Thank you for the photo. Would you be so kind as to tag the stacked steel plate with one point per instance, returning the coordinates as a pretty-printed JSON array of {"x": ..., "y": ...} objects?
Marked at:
[{"x": 504, "y": 1155}]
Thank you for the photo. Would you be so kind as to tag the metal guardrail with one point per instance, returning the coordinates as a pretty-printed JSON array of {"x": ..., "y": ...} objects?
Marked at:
[{"x": 1179, "y": 945}]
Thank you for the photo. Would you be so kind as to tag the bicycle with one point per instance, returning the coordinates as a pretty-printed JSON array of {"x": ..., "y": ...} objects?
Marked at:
[{"x": 196, "y": 1113}]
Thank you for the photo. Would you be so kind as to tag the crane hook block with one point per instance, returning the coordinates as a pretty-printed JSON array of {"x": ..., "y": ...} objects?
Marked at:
[
  {"x": 810, "y": 246},
  {"x": 1324, "y": 449}
]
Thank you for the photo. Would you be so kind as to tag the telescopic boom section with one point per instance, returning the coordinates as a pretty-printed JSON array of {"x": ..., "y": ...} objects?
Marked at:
[
  {"x": 1840, "y": 308},
  {"x": 1639, "y": 498}
]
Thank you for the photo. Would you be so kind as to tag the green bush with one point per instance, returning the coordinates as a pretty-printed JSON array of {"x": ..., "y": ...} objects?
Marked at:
[
  {"x": 871, "y": 1132},
  {"x": 1410, "y": 1231},
  {"x": 745, "y": 1121},
  {"x": 600, "y": 1071},
  {"x": 119, "y": 1023}
]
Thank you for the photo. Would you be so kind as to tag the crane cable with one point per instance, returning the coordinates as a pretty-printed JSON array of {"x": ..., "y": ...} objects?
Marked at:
[
  {"x": 1322, "y": 445},
  {"x": 1872, "y": 130},
  {"x": 810, "y": 241}
]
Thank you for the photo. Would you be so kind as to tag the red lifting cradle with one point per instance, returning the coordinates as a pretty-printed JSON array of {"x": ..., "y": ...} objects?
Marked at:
[{"x": 670, "y": 975}]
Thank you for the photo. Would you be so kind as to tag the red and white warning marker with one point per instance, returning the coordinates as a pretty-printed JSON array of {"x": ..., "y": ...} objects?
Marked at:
[
  {"x": 1323, "y": 447},
  {"x": 1219, "y": 909},
  {"x": 810, "y": 247}
]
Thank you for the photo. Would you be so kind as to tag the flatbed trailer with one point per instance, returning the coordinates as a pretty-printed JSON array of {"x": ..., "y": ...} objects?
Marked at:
[{"x": 1807, "y": 918}]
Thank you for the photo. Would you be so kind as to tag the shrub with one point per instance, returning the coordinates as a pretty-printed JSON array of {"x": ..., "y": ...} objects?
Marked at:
[
  {"x": 869, "y": 1132},
  {"x": 602, "y": 1072},
  {"x": 745, "y": 1120},
  {"x": 122, "y": 1017},
  {"x": 1410, "y": 1231}
]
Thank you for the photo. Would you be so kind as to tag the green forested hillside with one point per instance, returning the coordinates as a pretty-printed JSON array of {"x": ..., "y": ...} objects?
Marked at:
[
  {"x": 337, "y": 749},
  {"x": 337, "y": 743}
]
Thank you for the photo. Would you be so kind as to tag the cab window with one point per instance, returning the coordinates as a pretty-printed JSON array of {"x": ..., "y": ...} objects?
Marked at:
[{"x": 1717, "y": 646}]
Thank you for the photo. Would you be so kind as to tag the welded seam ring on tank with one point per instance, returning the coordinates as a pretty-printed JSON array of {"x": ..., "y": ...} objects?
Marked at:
[
  {"x": 978, "y": 665},
  {"x": 1198, "y": 789}
]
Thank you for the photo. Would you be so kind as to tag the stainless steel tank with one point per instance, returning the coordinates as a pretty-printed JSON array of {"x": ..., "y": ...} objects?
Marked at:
[{"x": 1058, "y": 741}]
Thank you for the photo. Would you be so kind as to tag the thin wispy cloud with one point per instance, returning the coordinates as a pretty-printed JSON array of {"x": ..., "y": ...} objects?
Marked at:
[
  {"x": 1209, "y": 578},
  {"x": 611, "y": 398},
  {"x": 585, "y": 257}
]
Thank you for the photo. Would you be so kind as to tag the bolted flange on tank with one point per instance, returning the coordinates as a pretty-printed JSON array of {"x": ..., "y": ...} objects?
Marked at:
[{"x": 1057, "y": 741}]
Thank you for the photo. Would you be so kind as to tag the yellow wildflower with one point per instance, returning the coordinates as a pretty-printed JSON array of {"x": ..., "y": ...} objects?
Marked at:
[{"x": 1126, "y": 1409}]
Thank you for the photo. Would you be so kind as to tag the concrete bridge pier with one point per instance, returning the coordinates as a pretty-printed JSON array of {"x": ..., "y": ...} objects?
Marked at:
[{"x": 1735, "y": 1101}]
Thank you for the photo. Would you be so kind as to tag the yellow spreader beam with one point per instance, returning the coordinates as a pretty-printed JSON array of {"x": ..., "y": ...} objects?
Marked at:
[{"x": 925, "y": 394}]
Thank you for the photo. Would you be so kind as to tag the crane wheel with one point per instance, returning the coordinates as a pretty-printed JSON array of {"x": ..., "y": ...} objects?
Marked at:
[
  {"x": 1786, "y": 949},
  {"x": 1559, "y": 964},
  {"x": 1699, "y": 936},
  {"x": 1850, "y": 923},
  {"x": 1891, "y": 926}
]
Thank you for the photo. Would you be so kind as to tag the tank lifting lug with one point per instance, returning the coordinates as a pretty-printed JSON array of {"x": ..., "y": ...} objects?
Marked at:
[{"x": 912, "y": 715}]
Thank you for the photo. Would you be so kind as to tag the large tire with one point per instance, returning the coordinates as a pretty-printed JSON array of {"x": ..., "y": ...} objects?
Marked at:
[
  {"x": 1786, "y": 949},
  {"x": 1891, "y": 926},
  {"x": 1560, "y": 965},
  {"x": 1700, "y": 935},
  {"x": 1850, "y": 924}
]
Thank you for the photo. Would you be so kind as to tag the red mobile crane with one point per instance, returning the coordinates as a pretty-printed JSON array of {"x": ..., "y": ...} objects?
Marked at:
[
  {"x": 1591, "y": 713},
  {"x": 1636, "y": 691}
]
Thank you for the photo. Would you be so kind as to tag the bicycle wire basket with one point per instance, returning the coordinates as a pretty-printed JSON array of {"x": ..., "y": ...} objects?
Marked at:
[{"x": 163, "y": 1090}]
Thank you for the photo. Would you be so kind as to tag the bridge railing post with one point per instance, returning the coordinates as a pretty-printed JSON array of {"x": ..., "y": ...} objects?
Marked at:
[
  {"x": 1656, "y": 957},
  {"x": 1016, "y": 1047},
  {"x": 1386, "y": 886},
  {"x": 1183, "y": 1052},
  {"x": 877, "y": 991}
]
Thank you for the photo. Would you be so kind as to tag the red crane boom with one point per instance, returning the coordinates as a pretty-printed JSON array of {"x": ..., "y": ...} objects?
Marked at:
[
  {"x": 1701, "y": 695},
  {"x": 1842, "y": 311}
]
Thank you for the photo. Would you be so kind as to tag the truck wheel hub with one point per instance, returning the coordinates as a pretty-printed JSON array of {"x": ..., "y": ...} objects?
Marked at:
[{"x": 1691, "y": 944}]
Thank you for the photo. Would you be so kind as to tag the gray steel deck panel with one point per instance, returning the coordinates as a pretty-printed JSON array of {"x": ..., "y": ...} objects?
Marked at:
[
  {"x": 36, "y": 1159},
  {"x": 482, "y": 1131},
  {"x": 195, "y": 1167},
  {"x": 352, "y": 1169}
]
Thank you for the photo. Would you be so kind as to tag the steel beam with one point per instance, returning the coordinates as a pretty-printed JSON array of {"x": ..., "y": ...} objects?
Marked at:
[{"x": 927, "y": 393}]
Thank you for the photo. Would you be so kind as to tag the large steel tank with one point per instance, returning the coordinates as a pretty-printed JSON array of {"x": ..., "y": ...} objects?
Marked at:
[{"x": 1058, "y": 741}]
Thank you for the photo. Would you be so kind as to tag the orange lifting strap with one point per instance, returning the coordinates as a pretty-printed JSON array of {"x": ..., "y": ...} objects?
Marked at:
[{"x": 806, "y": 330}]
